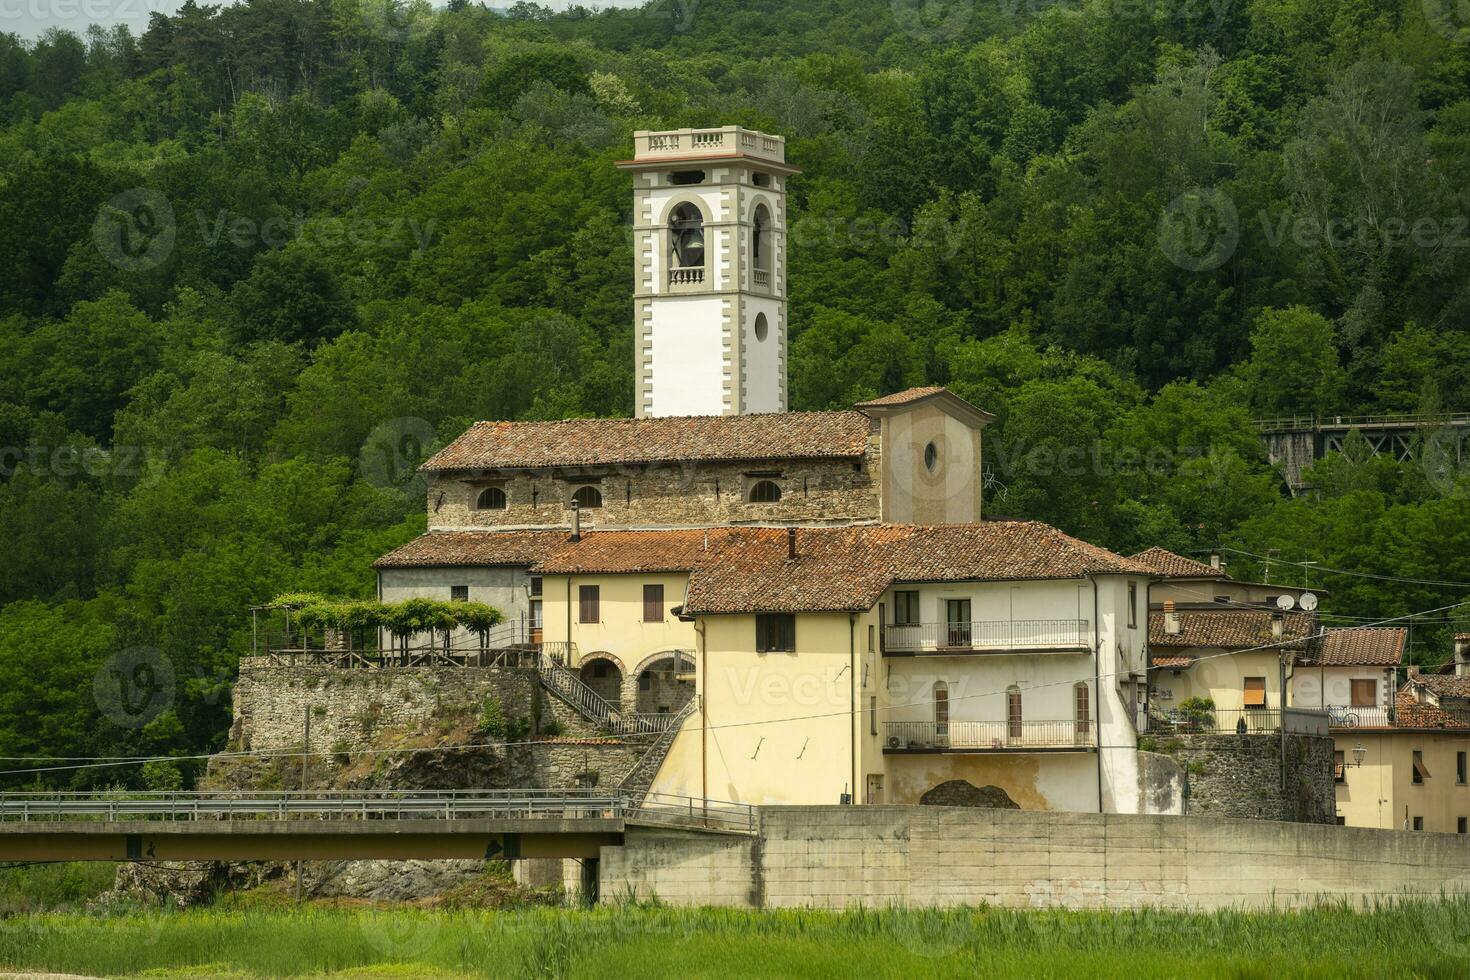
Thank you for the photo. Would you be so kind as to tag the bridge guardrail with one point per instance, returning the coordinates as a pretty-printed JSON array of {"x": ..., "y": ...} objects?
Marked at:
[{"x": 375, "y": 805}]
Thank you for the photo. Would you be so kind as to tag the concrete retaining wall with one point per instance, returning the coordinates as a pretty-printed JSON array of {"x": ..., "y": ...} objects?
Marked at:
[{"x": 893, "y": 855}]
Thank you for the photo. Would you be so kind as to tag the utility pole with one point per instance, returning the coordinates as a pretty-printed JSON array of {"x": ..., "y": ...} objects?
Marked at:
[{"x": 305, "y": 759}]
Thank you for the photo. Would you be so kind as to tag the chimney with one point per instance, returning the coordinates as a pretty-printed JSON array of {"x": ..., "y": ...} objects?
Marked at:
[
  {"x": 1278, "y": 625},
  {"x": 1171, "y": 618},
  {"x": 791, "y": 542},
  {"x": 1462, "y": 656},
  {"x": 1214, "y": 559},
  {"x": 576, "y": 521}
]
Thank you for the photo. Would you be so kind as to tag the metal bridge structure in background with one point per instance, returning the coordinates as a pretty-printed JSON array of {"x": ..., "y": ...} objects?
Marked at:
[
  {"x": 1440, "y": 443},
  {"x": 313, "y": 825}
]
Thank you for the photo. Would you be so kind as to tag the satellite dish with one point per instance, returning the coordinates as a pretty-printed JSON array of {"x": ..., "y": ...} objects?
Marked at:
[
  {"x": 1285, "y": 602},
  {"x": 1309, "y": 601}
]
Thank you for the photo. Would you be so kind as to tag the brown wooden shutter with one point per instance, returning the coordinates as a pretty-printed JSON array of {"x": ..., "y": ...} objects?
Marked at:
[
  {"x": 653, "y": 603},
  {"x": 1365, "y": 693},
  {"x": 1255, "y": 692},
  {"x": 589, "y": 604}
]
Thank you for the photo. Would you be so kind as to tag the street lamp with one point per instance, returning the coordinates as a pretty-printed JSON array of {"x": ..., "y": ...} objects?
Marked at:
[{"x": 1358, "y": 753}]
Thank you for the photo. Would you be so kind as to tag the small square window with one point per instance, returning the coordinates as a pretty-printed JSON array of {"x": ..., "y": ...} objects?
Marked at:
[
  {"x": 1254, "y": 695},
  {"x": 459, "y": 593},
  {"x": 775, "y": 633},
  {"x": 1418, "y": 823}
]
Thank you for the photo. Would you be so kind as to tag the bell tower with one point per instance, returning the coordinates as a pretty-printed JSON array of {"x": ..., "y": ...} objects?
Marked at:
[{"x": 709, "y": 255}]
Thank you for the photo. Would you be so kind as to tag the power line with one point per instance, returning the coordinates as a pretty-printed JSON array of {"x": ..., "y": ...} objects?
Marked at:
[{"x": 1315, "y": 566}]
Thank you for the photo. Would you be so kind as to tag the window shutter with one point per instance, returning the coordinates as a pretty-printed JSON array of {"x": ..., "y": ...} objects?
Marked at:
[
  {"x": 653, "y": 603},
  {"x": 1365, "y": 693},
  {"x": 1255, "y": 692},
  {"x": 588, "y": 601}
]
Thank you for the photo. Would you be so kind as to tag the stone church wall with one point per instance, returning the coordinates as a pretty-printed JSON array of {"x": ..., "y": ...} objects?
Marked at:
[{"x": 691, "y": 494}]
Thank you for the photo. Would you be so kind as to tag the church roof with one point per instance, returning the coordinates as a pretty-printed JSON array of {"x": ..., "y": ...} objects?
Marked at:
[{"x": 679, "y": 439}]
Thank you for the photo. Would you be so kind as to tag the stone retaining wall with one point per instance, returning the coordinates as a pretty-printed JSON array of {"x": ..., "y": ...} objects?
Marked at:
[{"x": 1240, "y": 776}]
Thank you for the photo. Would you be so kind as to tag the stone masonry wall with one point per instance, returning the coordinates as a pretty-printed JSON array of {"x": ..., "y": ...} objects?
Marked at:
[
  {"x": 691, "y": 494},
  {"x": 874, "y": 856},
  {"x": 1240, "y": 776}
]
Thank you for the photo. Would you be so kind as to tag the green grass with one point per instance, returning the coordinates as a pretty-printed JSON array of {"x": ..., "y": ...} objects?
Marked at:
[
  {"x": 51, "y": 887},
  {"x": 1407, "y": 939}
]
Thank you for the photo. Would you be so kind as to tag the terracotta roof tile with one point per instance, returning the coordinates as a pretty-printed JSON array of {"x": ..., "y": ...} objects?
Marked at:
[
  {"x": 1170, "y": 565},
  {"x": 1409, "y": 712},
  {"x": 448, "y": 548},
  {"x": 633, "y": 551},
  {"x": 1173, "y": 662},
  {"x": 1443, "y": 685},
  {"x": 901, "y": 397},
  {"x": 850, "y": 568},
  {"x": 1226, "y": 629},
  {"x": 1361, "y": 647},
  {"x": 611, "y": 442}
]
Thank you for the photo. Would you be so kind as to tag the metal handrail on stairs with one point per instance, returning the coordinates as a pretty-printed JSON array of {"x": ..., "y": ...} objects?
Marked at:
[{"x": 653, "y": 759}]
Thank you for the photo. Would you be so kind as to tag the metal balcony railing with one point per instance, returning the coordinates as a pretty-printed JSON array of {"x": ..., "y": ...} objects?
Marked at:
[
  {"x": 1348, "y": 716},
  {"x": 1213, "y": 721},
  {"x": 983, "y": 636},
  {"x": 919, "y": 736}
]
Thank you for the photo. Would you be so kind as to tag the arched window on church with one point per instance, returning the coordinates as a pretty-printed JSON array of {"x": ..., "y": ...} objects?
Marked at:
[
  {"x": 765, "y": 492},
  {"x": 760, "y": 245},
  {"x": 491, "y": 498},
  {"x": 586, "y": 497},
  {"x": 686, "y": 245}
]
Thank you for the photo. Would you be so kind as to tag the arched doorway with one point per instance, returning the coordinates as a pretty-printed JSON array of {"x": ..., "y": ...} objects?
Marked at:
[
  {"x": 660, "y": 689},
  {"x": 604, "y": 676}
]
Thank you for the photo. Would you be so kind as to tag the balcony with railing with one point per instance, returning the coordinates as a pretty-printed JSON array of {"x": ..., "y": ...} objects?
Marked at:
[
  {"x": 727, "y": 140},
  {"x": 1072, "y": 735},
  {"x": 997, "y": 636},
  {"x": 686, "y": 278},
  {"x": 1349, "y": 716}
]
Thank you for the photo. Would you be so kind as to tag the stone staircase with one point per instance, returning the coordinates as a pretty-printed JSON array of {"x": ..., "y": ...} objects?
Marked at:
[
  {"x": 565, "y": 684},
  {"x": 635, "y": 786}
]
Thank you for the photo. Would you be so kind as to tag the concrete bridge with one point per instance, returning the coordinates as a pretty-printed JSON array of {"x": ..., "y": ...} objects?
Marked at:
[
  {"x": 360, "y": 825},
  {"x": 1441, "y": 443}
]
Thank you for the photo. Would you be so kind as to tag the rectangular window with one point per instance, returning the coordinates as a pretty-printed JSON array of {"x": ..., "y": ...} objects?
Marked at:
[
  {"x": 1460, "y": 768},
  {"x": 873, "y": 715},
  {"x": 1254, "y": 695},
  {"x": 589, "y": 604},
  {"x": 1420, "y": 772},
  {"x": 1418, "y": 823},
  {"x": 536, "y": 586},
  {"x": 645, "y": 681},
  {"x": 1460, "y": 827},
  {"x": 1339, "y": 767},
  {"x": 775, "y": 633},
  {"x": 653, "y": 603},
  {"x": 459, "y": 593},
  {"x": 1132, "y": 605},
  {"x": 1365, "y": 693},
  {"x": 1342, "y": 821},
  {"x": 906, "y": 608}
]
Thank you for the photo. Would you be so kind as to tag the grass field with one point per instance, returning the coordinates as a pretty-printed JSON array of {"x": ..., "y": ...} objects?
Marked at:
[{"x": 1409, "y": 939}]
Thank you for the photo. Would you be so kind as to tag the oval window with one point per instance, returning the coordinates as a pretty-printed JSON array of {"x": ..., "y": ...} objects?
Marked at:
[
  {"x": 762, "y": 328},
  {"x": 931, "y": 457}
]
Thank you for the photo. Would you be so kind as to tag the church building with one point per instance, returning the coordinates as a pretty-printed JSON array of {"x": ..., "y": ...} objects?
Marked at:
[{"x": 808, "y": 606}]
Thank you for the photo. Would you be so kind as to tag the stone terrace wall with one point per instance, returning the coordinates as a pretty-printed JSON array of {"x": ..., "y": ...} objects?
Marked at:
[
  {"x": 1240, "y": 776},
  {"x": 920, "y": 855}
]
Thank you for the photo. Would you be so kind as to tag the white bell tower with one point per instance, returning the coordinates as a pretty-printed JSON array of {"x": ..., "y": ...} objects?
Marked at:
[{"x": 709, "y": 253}]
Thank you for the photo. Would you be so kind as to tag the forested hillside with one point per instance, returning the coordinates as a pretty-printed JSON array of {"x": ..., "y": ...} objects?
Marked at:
[{"x": 261, "y": 259}]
